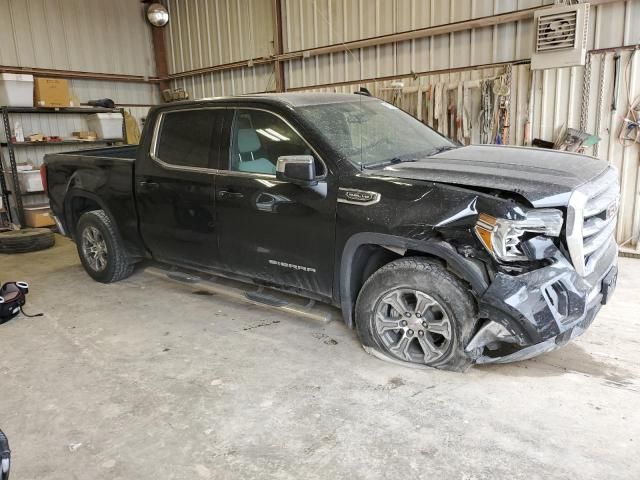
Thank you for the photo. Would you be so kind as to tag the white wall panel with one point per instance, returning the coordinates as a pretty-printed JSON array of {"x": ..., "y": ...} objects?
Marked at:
[
  {"x": 259, "y": 78},
  {"x": 314, "y": 23},
  {"x": 82, "y": 35},
  {"x": 203, "y": 33},
  {"x": 611, "y": 25}
]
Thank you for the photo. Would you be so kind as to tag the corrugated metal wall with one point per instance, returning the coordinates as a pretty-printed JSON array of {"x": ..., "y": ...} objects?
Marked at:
[
  {"x": 317, "y": 23},
  {"x": 203, "y": 33},
  {"x": 82, "y": 35},
  {"x": 333, "y": 21}
]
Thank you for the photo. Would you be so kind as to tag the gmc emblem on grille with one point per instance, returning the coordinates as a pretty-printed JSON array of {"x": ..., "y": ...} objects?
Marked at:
[{"x": 612, "y": 209}]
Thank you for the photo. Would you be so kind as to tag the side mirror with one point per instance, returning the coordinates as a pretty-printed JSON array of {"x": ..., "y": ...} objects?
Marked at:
[{"x": 297, "y": 169}]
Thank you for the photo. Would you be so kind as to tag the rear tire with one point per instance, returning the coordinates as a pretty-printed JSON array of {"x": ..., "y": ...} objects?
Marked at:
[
  {"x": 26, "y": 240},
  {"x": 413, "y": 310},
  {"x": 100, "y": 249}
]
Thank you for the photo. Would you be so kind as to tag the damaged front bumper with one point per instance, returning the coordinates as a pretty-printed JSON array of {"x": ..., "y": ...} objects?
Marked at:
[{"x": 535, "y": 312}]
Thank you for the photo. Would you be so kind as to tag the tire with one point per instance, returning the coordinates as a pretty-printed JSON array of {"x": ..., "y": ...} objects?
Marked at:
[
  {"x": 100, "y": 248},
  {"x": 26, "y": 240},
  {"x": 437, "y": 321}
]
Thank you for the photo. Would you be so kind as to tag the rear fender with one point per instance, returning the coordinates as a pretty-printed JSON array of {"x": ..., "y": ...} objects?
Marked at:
[{"x": 134, "y": 249}]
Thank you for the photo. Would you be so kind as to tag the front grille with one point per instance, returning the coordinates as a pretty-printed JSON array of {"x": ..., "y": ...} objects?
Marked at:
[{"x": 591, "y": 220}]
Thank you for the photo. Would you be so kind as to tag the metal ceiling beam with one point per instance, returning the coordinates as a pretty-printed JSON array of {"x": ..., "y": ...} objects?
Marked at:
[{"x": 76, "y": 74}]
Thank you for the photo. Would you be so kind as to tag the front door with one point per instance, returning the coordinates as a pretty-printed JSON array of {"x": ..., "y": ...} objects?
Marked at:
[
  {"x": 174, "y": 187},
  {"x": 272, "y": 230}
]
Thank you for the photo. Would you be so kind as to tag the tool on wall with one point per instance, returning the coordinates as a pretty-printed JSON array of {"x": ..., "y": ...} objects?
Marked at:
[
  {"x": 500, "y": 125},
  {"x": 486, "y": 111},
  {"x": 630, "y": 128},
  {"x": 573, "y": 140}
]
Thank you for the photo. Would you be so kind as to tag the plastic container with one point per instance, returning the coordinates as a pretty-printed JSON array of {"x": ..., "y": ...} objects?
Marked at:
[
  {"x": 16, "y": 90},
  {"x": 106, "y": 125},
  {"x": 30, "y": 181}
]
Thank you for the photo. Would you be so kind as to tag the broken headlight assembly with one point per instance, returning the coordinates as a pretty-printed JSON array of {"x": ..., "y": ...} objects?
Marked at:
[{"x": 503, "y": 238}]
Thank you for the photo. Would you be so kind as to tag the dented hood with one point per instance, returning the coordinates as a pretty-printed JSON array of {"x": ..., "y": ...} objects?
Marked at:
[{"x": 544, "y": 177}]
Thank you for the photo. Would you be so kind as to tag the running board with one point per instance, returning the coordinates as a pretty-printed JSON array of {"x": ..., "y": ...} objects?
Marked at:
[{"x": 254, "y": 294}]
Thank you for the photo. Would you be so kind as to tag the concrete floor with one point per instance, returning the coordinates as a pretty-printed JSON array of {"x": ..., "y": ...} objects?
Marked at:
[{"x": 142, "y": 379}]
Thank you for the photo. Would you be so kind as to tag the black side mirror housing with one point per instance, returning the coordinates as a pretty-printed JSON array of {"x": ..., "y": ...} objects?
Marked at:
[{"x": 297, "y": 169}]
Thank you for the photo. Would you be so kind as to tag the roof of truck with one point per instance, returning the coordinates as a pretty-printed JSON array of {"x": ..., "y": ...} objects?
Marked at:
[
  {"x": 291, "y": 99},
  {"x": 304, "y": 99}
]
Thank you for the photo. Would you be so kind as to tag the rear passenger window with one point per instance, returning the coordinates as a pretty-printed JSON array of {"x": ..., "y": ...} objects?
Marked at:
[{"x": 188, "y": 138}]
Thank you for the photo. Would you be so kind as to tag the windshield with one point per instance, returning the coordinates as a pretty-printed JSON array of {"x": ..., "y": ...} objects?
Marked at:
[{"x": 372, "y": 133}]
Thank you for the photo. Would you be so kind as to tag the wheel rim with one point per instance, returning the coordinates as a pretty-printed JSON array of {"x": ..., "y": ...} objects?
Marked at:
[
  {"x": 413, "y": 326},
  {"x": 94, "y": 248}
]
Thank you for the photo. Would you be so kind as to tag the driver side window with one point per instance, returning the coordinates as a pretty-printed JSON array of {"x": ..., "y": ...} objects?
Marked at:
[{"x": 259, "y": 138}]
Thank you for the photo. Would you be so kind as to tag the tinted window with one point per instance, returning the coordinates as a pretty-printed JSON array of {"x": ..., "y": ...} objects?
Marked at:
[
  {"x": 187, "y": 138},
  {"x": 259, "y": 138}
]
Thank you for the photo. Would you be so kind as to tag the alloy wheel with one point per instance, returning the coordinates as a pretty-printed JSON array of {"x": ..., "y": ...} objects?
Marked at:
[
  {"x": 94, "y": 248},
  {"x": 413, "y": 326}
]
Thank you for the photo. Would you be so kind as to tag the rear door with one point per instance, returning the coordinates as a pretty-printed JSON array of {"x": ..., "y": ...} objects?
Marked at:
[
  {"x": 268, "y": 229},
  {"x": 174, "y": 186}
]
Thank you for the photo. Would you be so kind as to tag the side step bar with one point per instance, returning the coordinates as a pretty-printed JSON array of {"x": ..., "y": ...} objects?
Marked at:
[{"x": 257, "y": 295}]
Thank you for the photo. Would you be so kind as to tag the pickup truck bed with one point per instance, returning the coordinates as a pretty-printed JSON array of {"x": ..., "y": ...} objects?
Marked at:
[{"x": 105, "y": 177}]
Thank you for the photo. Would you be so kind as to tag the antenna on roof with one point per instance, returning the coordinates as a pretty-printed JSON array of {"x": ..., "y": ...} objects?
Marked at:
[{"x": 363, "y": 91}]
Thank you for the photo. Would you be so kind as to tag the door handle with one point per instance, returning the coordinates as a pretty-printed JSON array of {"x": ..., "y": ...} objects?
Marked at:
[
  {"x": 148, "y": 186},
  {"x": 228, "y": 195}
]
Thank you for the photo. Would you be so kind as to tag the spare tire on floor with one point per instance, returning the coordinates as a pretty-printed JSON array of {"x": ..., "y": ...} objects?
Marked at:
[{"x": 26, "y": 240}]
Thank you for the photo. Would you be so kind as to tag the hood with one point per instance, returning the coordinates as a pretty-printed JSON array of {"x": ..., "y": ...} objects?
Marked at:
[{"x": 544, "y": 177}]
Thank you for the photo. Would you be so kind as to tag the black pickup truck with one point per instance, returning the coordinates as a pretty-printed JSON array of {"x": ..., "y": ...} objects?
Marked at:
[{"x": 437, "y": 254}]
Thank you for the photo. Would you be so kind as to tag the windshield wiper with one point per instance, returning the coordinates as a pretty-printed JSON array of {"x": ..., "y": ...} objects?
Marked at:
[
  {"x": 444, "y": 148},
  {"x": 391, "y": 161}
]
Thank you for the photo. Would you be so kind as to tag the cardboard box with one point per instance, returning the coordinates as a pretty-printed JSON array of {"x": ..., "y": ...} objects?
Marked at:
[
  {"x": 35, "y": 137},
  {"x": 85, "y": 135},
  {"x": 38, "y": 216},
  {"x": 51, "y": 92}
]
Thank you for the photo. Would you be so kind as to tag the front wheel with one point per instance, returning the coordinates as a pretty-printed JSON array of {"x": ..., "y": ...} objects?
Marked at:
[
  {"x": 100, "y": 249},
  {"x": 413, "y": 310}
]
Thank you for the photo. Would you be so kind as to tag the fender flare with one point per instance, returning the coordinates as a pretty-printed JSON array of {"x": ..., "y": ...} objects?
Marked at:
[
  {"x": 466, "y": 269},
  {"x": 68, "y": 214}
]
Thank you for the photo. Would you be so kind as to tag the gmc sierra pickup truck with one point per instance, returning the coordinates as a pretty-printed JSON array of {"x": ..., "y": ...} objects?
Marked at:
[{"x": 437, "y": 254}]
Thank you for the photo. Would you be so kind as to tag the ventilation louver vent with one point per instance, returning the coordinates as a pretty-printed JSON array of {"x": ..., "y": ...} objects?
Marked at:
[
  {"x": 561, "y": 36},
  {"x": 556, "y": 32}
]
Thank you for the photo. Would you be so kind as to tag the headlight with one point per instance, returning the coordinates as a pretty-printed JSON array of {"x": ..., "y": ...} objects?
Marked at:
[{"x": 502, "y": 237}]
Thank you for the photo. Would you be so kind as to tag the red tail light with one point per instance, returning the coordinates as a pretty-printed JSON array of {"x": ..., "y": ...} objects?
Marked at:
[{"x": 43, "y": 177}]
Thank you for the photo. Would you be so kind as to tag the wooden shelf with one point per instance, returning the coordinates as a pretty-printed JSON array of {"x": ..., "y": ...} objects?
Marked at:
[{"x": 6, "y": 111}]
